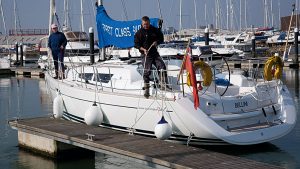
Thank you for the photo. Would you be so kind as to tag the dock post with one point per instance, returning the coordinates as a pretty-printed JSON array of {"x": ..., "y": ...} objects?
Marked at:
[
  {"x": 92, "y": 55},
  {"x": 21, "y": 54},
  {"x": 17, "y": 52},
  {"x": 206, "y": 32},
  {"x": 296, "y": 60},
  {"x": 253, "y": 46}
]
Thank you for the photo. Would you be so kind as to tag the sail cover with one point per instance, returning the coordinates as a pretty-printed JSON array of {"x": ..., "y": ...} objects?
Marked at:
[{"x": 117, "y": 33}]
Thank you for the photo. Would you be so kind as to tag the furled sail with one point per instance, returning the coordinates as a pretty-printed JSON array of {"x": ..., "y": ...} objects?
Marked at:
[{"x": 117, "y": 33}]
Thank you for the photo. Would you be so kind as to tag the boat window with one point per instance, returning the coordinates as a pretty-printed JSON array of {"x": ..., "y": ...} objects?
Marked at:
[
  {"x": 104, "y": 78},
  {"x": 229, "y": 39},
  {"x": 85, "y": 76}
]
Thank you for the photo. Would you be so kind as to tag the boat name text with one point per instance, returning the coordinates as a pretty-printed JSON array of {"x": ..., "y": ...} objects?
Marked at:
[{"x": 240, "y": 104}]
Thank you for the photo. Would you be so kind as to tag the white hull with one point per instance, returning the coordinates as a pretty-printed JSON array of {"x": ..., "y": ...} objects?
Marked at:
[{"x": 130, "y": 111}]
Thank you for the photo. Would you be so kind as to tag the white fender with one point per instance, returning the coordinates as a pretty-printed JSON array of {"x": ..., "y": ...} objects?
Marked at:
[
  {"x": 93, "y": 115},
  {"x": 58, "y": 107},
  {"x": 163, "y": 129}
]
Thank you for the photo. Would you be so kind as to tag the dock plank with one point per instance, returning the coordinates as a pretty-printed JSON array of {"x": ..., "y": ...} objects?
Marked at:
[{"x": 150, "y": 150}]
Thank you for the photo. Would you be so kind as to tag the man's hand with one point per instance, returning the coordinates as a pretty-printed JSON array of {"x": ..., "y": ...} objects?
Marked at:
[
  {"x": 144, "y": 50},
  {"x": 62, "y": 47}
]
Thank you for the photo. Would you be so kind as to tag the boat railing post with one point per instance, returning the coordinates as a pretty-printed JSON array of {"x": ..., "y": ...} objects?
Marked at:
[
  {"x": 99, "y": 78},
  {"x": 111, "y": 85},
  {"x": 182, "y": 84},
  {"x": 21, "y": 53},
  {"x": 81, "y": 75},
  {"x": 92, "y": 56}
]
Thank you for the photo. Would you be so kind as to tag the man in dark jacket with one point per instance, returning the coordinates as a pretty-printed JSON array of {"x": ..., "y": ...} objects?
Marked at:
[
  {"x": 146, "y": 40},
  {"x": 57, "y": 43}
]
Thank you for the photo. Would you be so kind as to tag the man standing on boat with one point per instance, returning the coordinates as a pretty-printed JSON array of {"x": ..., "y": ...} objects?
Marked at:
[
  {"x": 57, "y": 43},
  {"x": 146, "y": 40}
]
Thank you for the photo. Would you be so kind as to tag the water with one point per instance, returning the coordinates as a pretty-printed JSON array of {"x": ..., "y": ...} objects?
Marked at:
[{"x": 24, "y": 98}]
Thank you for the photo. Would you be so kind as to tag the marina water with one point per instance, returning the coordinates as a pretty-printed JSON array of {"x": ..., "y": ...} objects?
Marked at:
[{"x": 25, "y": 98}]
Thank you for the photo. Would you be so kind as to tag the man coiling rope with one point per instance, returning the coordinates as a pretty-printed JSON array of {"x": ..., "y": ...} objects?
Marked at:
[{"x": 146, "y": 39}]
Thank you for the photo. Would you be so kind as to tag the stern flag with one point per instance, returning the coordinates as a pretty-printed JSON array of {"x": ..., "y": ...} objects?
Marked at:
[{"x": 189, "y": 67}]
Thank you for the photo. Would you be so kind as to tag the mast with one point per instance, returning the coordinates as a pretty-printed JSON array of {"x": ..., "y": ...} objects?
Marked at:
[
  {"x": 265, "y": 13},
  {"x": 3, "y": 20},
  {"x": 15, "y": 15},
  {"x": 102, "y": 55},
  {"x": 217, "y": 9},
  {"x": 216, "y": 12},
  {"x": 52, "y": 13},
  {"x": 240, "y": 15},
  {"x": 81, "y": 17},
  {"x": 272, "y": 14},
  {"x": 180, "y": 17},
  {"x": 231, "y": 15},
  {"x": 196, "y": 22},
  {"x": 279, "y": 14},
  {"x": 227, "y": 11},
  {"x": 205, "y": 15},
  {"x": 246, "y": 23},
  {"x": 66, "y": 10},
  {"x": 296, "y": 14}
]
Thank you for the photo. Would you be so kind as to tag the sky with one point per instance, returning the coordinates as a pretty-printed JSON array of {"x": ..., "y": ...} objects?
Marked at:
[{"x": 35, "y": 13}]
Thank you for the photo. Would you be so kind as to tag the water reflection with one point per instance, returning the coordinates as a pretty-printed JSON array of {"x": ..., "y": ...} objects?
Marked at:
[{"x": 34, "y": 161}]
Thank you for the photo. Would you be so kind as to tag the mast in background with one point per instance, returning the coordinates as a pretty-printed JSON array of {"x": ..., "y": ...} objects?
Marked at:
[
  {"x": 180, "y": 17},
  {"x": 102, "y": 55},
  {"x": 81, "y": 17},
  {"x": 52, "y": 13},
  {"x": 15, "y": 15},
  {"x": 67, "y": 14},
  {"x": 196, "y": 22}
]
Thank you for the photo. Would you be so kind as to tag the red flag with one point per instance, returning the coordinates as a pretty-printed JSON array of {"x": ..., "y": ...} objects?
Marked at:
[{"x": 189, "y": 67}]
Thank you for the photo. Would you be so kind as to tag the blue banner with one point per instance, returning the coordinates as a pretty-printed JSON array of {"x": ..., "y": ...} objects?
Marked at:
[{"x": 117, "y": 33}]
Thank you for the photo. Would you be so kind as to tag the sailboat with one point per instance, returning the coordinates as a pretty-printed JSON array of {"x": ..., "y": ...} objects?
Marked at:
[{"x": 206, "y": 105}]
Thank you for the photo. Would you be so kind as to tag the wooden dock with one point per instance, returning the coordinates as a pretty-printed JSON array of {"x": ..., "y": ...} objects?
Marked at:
[
  {"x": 23, "y": 71},
  {"x": 149, "y": 151}
]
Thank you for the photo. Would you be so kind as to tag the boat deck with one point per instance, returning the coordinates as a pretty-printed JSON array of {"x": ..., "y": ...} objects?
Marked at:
[{"x": 150, "y": 151}]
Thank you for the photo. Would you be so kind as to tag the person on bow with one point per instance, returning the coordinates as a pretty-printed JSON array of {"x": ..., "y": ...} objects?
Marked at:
[
  {"x": 57, "y": 43},
  {"x": 146, "y": 40}
]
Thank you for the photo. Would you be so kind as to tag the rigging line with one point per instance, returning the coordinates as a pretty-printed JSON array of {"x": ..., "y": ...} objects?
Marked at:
[
  {"x": 146, "y": 109},
  {"x": 124, "y": 10}
]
